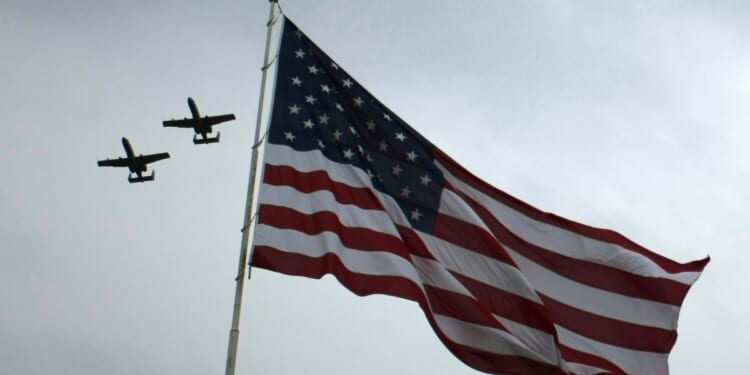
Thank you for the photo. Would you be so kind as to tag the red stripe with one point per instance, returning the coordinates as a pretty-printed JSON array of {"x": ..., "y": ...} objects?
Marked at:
[
  {"x": 605, "y": 235},
  {"x": 589, "y": 273},
  {"x": 610, "y": 331},
  {"x": 316, "y": 223},
  {"x": 362, "y": 285},
  {"x": 469, "y": 236},
  {"x": 308, "y": 182},
  {"x": 508, "y": 305},
  {"x": 575, "y": 356}
]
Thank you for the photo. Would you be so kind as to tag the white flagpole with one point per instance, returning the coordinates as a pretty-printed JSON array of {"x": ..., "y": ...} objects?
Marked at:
[{"x": 234, "y": 333}]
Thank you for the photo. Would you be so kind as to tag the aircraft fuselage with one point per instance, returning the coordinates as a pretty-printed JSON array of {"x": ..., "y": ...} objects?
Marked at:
[{"x": 133, "y": 165}]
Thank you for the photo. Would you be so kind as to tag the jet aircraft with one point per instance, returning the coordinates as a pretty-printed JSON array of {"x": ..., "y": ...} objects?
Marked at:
[
  {"x": 201, "y": 125},
  {"x": 136, "y": 164}
]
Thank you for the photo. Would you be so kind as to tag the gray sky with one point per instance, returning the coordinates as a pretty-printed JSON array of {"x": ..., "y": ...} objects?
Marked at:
[{"x": 626, "y": 115}]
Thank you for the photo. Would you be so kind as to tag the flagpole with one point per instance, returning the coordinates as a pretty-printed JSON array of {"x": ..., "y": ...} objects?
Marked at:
[{"x": 234, "y": 333}]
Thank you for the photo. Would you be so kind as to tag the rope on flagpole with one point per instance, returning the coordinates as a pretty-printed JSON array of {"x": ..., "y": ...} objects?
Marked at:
[{"x": 234, "y": 332}]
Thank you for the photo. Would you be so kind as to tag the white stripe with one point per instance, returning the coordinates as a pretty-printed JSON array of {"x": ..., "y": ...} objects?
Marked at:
[
  {"x": 634, "y": 362},
  {"x": 489, "y": 339},
  {"x": 380, "y": 263},
  {"x": 539, "y": 341},
  {"x": 597, "y": 301},
  {"x": 568, "y": 243},
  {"x": 480, "y": 267},
  {"x": 322, "y": 201}
]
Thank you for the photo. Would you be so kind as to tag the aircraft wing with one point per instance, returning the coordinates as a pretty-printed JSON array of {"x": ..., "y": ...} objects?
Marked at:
[
  {"x": 184, "y": 123},
  {"x": 119, "y": 162},
  {"x": 146, "y": 159},
  {"x": 202, "y": 121},
  {"x": 213, "y": 120}
]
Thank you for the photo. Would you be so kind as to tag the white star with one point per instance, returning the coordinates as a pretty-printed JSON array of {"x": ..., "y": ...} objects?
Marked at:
[
  {"x": 310, "y": 99},
  {"x": 338, "y": 105},
  {"x": 321, "y": 144},
  {"x": 347, "y": 83},
  {"x": 296, "y": 81},
  {"x": 360, "y": 149},
  {"x": 405, "y": 192},
  {"x": 369, "y": 158},
  {"x": 415, "y": 215},
  {"x": 387, "y": 117},
  {"x": 400, "y": 136},
  {"x": 397, "y": 170},
  {"x": 325, "y": 88},
  {"x": 312, "y": 69},
  {"x": 298, "y": 33},
  {"x": 289, "y": 136},
  {"x": 308, "y": 124},
  {"x": 300, "y": 53},
  {"x": 425, "y": 180},
  {"x": 412, "y": 156},
  {"x": 353, "y": 130},
  {"x": 370, "y": 125},
  {"x": 348, "y": 153},
  {"x": 337, "y": 134},
  {"x": 294, "y": 109},
  {"x": 323, "y": 119},
  {"x": 370, "y": 173},
  {"x": 358, "y": 101},
  {"x": 334, "y": 66},
  {"x": 383, "y": 146}
]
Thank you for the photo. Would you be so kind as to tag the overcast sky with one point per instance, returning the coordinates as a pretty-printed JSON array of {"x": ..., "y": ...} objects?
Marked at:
[{"x": 633, "y": 116}]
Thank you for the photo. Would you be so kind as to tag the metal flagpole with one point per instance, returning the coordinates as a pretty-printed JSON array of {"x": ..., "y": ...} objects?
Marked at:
[{"x": 234, "y": 333}]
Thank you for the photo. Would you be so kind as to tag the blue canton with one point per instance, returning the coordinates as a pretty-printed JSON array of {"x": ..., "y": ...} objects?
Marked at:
[{"x": 318, "y": 106}]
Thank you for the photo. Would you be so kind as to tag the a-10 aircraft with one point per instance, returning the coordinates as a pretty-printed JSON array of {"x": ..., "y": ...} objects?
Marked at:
[
  {"x": 201, "y": 125},
  {"x": 136, "y": 164}
]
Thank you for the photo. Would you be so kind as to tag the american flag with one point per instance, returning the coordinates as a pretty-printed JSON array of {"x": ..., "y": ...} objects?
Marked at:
[{"x": 350, "y": 189}]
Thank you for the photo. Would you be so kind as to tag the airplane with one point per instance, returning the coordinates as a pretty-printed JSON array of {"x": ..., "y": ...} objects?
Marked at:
[
  {"x": 136, "y": 164},
  {"x": 201, "y": 125}
]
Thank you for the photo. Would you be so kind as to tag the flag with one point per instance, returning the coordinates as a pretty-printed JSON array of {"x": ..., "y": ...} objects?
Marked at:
[{"x": 350, "y": 189}]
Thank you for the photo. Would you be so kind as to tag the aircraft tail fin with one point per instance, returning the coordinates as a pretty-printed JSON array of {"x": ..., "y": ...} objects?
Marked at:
[
  {"x": 206, "y": 140},
  {"x": 142, "y": 178}
]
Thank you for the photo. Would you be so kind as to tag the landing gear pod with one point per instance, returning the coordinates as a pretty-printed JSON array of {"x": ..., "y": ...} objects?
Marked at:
[
  {"x": 145, "y": 178},
  {"x": 206, "y": 140}
]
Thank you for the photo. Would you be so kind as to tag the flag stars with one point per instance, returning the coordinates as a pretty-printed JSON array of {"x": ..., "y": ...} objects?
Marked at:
[
  {"x": 325, "y": 88},
  {"x": 387, "y": 117},
  {"x": 337, "y": 134},
  {"x": 348, "y": 153},
  {"x": 360, "y": 149},
  {"x": 300, "y": 53},
  {"x": 296, "y": 81},
  {"x": 308, "y": 124},
  {"x": 358, "y": 101},
  {"x": 425, "y": 180},
  {"x": 289, "y": 136},
  {"x": 310, "y": 99},
  {"x": 334, "y": 65},
  {"x": 321, "y": 144},
  {"x": 383, "y": 146},
  {"x": 411, "y": 155},
  {"x": 323, "y": 119},
  {"x": 396, "y": 170},
  {"x": 353, "y": 130},
  {"x": 415, "y": 215},
  {"x": 405, "y": 192},
  {"x": 298, "y": 34},
  {"x": 294, "y": 109},
  {"x": 312, "y": 69},
  {"x": 400, "y": 136},
  {"x": 347, "y": 83},
  {"x": 339, "y": 107},
  {"x": 370, "y": 125}
]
